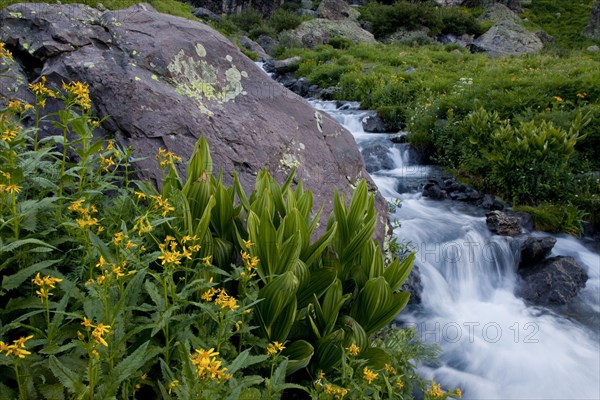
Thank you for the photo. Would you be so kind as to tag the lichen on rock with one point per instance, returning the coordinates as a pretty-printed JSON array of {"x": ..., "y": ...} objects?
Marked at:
[{"x": 199, "y": 80}]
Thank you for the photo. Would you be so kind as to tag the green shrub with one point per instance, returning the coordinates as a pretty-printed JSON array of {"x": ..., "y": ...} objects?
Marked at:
[
  {"x": 282, "y": 20},
  {"x": 340, "y": 42},
  {"x": 556, "y": 218}
]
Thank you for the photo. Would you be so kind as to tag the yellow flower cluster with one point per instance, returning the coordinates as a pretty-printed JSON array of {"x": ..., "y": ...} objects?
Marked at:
[
  {"x": 8, "y": 135},
  {"x": 17, "y": 107},
  {"x": 389, "y": 369},
  {"x": 17, "y": 349},
  {"x": 8, "y": 187},
  {"x": 4, "y": 53},
  {"x": 208, "y": 366},
  {"x": 335, "y": 391},
  {"x": 458, "y": 393},
  {"x": 98, "y": 331},
  {"x": 274, "y": 348},
  {"x": 110, "y": 270},
  {"x": 166, "y": 158},
  {"x": 86, "y": 220},
  {"x": 435, "y": 391},
  {"x": 162, "y": 204},
  {"x": 369, "y": 375},
  {"x": 80, "y": 92},
  {"x": 172, "y": 257},
  {"x": 250, "y": 263},
  {"x": 41, "y": 91},
  {"x": 45, "y": 284},
  {"x": 353, "y": 349},
  {"x": 142, "y": 225},
  {"x": 221, "y": 298}
]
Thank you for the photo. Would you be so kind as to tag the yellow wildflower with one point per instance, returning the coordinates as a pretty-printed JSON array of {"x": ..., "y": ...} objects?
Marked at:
[
  {"x": 9, "y": 134},
  {"x": 106, "y": 163},
  {"x": 139, "y": 195},
  {"x": 335, "y": 391},
  {"x": 390, "y": 369},
  {"x": 40, "y": 89},
  {"x": 435, "y": 391},
  {"x": 173, "y": 385},
  {"x": 207, "y": 260},
  {"x": 248, "y": 244},
  {"x": 4, "y": 53},
  {"x": 99, "y": 331},
  {"x": 142, "y": 225},
  {"x": 110, "y": 145},
  {"x": 399, "y": 383},
  {"x": 87, "y": 323},
  {"x": 274, "y": 348},
  {"x": 353, "y": 349},
  {"x": 369, "y": 375},
  {"x": 12, "y": 188},
  {"x": 166, "y": 158},
  {"x": 458, "y": 393},
  {"x": 557, "y": 98},
  {"x": 119, "y": 237},
  {"x": 226, "y": 301},
  {"x": 80, "y": 93},
  {"x": 581, "y": 95}
]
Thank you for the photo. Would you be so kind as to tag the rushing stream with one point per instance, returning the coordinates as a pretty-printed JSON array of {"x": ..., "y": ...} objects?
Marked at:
[{"x": 494, "y": 346}]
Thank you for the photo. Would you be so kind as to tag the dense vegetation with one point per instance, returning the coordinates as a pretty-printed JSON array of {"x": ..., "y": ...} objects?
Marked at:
[
  {"x": 112, "y": 289},
  {"x": 519, "y": 127}
]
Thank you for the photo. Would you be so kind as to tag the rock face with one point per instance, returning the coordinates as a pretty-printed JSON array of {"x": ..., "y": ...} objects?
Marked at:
[
  {"x": 164, "y": 81},
  {"x": 377, "y": 157},
  {"x": 251, "y": 45},
  {"x": 336, "y": 10},
  {"x": 319, "y": 30},
  {"x": 413, "y": 285},
  {"x": 554, "y": 281},
  {"x": 266, "y": 7},
  {"x": 499, "y": 12},
  {"x": 535, "y": 249},
  {"x": 592, "y": 31},
  {"x": 507, "y": 38},
  {"x": 502, "y": 223}
]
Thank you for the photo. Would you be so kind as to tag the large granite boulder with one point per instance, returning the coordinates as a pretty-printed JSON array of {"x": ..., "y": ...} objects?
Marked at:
[
  {"x": 554, "y": 281},
  {"x": 592, "y": 31},
  {"x": 319, "y": 30},
  {"x": 164, "y": 81},
  {"x": 507, "y": 38}
]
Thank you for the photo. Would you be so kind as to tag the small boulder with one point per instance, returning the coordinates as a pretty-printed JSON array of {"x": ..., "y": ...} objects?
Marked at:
[
  {"x": 554, "y": 281},
  {"x": 497, "y": 13},
  {"x": 535, "y": 249},
  {"x": 399, "y": 138},
  {"x": 544, "y": 37},
  {"x": 593, "y": 48},
  {"x": 433, "y": 190},
  {"x": 373, "y": 124},
  {"x": 282, "y": 66},
  {"x": 491, "y": 203},
  {"x": 377, "y": 157},
  {"x": 268, "y": 44},
  {"x": 507, "y": 38},
  {"x": 592, "y": 30},
  {"x": 254, "y": 47},
  {"x": 300, "y": 87},
  {"x": 319, "y": 30},
  {"x": 413, "y": 285},
  {"x": 205, "y": 14},
  {"x": 502, "y": 223}
]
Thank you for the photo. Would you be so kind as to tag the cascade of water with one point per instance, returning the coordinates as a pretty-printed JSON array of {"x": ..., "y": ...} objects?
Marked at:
[{"x": 494, "y": 345}]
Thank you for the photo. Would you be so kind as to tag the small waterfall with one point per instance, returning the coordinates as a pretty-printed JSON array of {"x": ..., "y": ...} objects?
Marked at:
[{"x": 494, "y": 346}]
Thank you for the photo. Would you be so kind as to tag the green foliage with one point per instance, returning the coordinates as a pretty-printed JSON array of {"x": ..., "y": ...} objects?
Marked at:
[
  {"x": 439, "y": 96},
  {"x": 556, "y": 218},
  {"x": 387, "y": 19},
  {"x": 560, "y": 19},
  {"x": 117, "y": 290}
]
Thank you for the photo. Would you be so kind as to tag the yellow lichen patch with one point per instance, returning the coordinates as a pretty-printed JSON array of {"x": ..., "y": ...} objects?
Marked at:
[{"x": 199, "y": 80}]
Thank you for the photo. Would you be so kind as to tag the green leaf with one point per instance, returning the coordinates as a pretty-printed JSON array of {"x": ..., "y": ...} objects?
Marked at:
[
  {"x": 397, "y": 272},
  {"x": 124, "y": 370},
  {"x": 15, "y": 280},
  {"x": 299, "y": 354},
  {"x": 276, "y": 297},
  {"x": 70, "y": 379},
  {"x": 244, "y": 360},
  {"x": 5, "y": 248}
]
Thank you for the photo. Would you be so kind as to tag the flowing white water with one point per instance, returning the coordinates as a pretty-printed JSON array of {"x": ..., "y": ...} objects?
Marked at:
[{"x": 494, "y": 346}]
